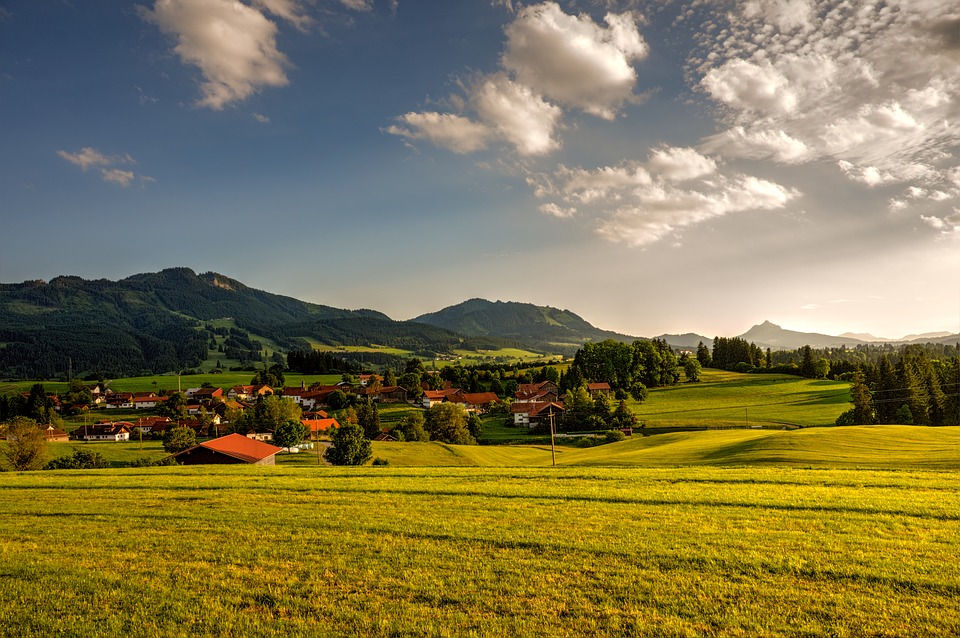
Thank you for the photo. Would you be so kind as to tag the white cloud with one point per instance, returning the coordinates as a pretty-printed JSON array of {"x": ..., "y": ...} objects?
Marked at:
[
  {"x": 263, "y": 119},
  {"x": 289, "y": 10},
  {"x": 520, "y": 116},
  {"x": 572, "y": 59},
  {"x": 759, "y": 144},
  {"x": 89, "y": 157},
  {"x": 947, "y": 225},
  {"x": 117, "y": 176},
  {"x": 550, "y": 59},
  {"x": 453, "y": 132},
  {"x": 358, "y": 5},
  {"x": 873, "y": 86},
  {"x": 557, "y": 211},
  {"x": 680, "y": 164},
  {"x": 786, "y": 15},
  {"x": 662, "y": 210},
  {"x": 233, "y": 45},
  {"x": 86, "y": 157}
]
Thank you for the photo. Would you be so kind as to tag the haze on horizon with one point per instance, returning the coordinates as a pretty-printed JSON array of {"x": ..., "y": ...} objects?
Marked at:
[{"x": 655, "y": 167}]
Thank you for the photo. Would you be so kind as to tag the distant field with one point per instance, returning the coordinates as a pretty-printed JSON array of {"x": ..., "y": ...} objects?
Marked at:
[
  {"x": 154, "y": 383},
  {"x": 729, "y": 399},
  {"x": 452, "y": 551}
]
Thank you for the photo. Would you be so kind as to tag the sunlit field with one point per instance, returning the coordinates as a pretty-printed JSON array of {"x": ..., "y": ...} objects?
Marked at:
[{"x": 480, "y": 552}]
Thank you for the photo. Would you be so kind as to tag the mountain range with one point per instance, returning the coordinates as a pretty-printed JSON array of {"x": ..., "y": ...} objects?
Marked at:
[{"x": 158, "y": 322}]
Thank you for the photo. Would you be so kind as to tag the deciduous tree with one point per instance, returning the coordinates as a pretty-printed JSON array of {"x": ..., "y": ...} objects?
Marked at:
[
  {"x": 350, "y": 446},
  {"x": 26, "y": 447}
]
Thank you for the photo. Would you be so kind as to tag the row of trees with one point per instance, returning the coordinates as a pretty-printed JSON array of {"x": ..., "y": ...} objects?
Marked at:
[{"x": 917, "y": 390}]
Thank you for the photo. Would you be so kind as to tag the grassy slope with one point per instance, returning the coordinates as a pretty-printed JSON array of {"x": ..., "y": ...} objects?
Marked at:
[
  {"x": 727, "y": 399},
  {"x": 480, "y": 552},
  {"x": 872, "y": 447}
]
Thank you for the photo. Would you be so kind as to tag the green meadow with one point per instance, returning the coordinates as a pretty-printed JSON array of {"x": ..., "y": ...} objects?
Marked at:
[{"x": 466, "y": 551}]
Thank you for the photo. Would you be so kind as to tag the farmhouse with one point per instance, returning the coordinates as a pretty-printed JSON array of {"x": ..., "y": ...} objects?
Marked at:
[
  {"x": 319, "y": 425},
  {"x": 597, "y": 389},
  {"x": 104, "y": 431},
  {"x": 231, "y": 449},
  {"x": 53, "y": 434},
  {"x": 475, "y": 401},
  {"x": 433, "y": 397},
  {"x": 532, "y": 414}
]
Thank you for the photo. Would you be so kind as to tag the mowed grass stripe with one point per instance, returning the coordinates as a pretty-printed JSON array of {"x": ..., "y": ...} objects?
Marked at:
[{"x": 289, "y": 551}]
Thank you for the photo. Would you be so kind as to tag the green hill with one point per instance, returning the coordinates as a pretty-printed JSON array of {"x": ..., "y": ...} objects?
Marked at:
[
  {"x": 157, "y": 322},
  {"x": 538, "y": 327}
]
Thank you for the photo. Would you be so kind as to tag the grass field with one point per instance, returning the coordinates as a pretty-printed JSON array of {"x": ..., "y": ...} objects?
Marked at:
[
  {"x": 729, "y": 399},
  {"x": 480, "y": 552}
]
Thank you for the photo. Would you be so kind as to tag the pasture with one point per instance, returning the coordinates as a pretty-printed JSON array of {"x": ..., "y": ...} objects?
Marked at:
[{"x": 568, "y": 551}]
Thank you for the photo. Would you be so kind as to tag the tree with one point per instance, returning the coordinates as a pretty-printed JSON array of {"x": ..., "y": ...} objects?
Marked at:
[
  {"x": 808, "y": 367},
  {"x": 692, "y": 369},
  {"x": 368, "y": 418},
  {"x": 179, "y": 439},
  {"x": 821, "y": 369},
  {"x": 26, "y": 447},
  {"x": 474, "y": 425},
  {"x": 623, "y": 417},
  {"x": 350, "y": 446},
  {"x": 78, "y": 393},
  {"x": 862, "y": 401},
  {"x": 703, "y": 355},
  {"x": 389, "y": 378},
  {"x": 271, "y": 411},
  {"x": 412, "y": 427},
  {"x": 39, "y": 406},
  {"x": 175, "y": 407},
  {"x": 289, "y": 434},
  {"x": 337, "y": 400},
  {"x": 447, "y": 422}
]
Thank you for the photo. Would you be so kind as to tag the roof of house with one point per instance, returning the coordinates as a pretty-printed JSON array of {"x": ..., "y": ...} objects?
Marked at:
[
  {"x": 534, "y": 409},
  {"x": 598, "y": 386},
  {"x": 240, "y": 447},
  {"x": 439, "y": 395},
  {"x": 320, "y": 425},
  {"x": 481, "y": 398}
]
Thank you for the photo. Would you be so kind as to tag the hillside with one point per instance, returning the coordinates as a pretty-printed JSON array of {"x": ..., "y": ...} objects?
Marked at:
[
  {"x": 770, "y": 335},
  {"x": 157, "y": 322},
  {"x": 537, "y": 327}
]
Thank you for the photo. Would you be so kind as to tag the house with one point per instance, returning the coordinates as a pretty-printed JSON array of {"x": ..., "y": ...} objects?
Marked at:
[
  {"x": 384, "y": 394},
  {"x": 475, "y": 401},
  {"x": 150, "y": 425},
  {"x": 229, "y": 450},
  {"x": 206, "y": 395},
  {"x": 248, "y": 392},
  {"x": 384, "y": 436},
  {"x": 543, "y": 392},
  {"x": 533, "y": 414},
  {"x": 433, "y": 397},
  {"x": 146, "y": 402},
  {"x": 120, "y": 400},
  {"x": 318, "y": 426},
  {"x": 366, "y": 379},
  {"x": 54, "y": 435},
  {"x": 104, "y": 431},
  {"x": 597, "y": 389}
]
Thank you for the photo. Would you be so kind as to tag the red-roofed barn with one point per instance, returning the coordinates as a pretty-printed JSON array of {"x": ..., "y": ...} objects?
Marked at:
[{"x": 229, "y": 449}]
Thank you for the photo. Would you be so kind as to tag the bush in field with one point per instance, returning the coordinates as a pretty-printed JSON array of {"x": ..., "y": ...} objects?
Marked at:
[
  {"x": 350, "y": 446},
  {"x": 411, "y": 428},
  {"x": 79, "y": 460},
  {"x": 179, "y": 439},
  {"x": 614, "y": 436}
]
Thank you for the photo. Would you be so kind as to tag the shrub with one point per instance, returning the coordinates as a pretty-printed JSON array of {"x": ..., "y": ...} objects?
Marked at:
[
  {"x": 79, "y": 460},
  {"x": 379, "y": 461},
  {"x": 614, "y": 436}
]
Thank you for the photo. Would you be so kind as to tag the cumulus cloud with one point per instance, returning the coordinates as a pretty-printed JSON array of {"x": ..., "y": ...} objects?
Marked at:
[
  {"x": 551, "y": 61},
  {"x": 358, "y": 5},
  {"x": 290, "y": 10},
  {"x": 947, "y": 225},
  {"x": 661, "y": 209},
  {"x": 758, "y": 144},
  {"x": 89, "y": 157},
  {"x": 640, "y": 203},
  {"x": 232, "y": 44},
  {"x": 453, "y": 132},
  {"x": 557, "y": 211},
  {"x": 572, "y": 59},
  {"x": 521, "y": 117}
]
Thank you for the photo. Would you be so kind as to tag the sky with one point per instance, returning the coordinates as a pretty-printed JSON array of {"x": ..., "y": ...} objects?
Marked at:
[{"x": 653, "y": 166}]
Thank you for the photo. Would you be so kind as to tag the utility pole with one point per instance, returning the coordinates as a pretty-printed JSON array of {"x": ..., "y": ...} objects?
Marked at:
[{"x": 553, "y": 446}]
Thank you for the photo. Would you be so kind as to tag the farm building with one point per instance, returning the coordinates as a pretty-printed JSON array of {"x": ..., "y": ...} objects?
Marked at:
[{"x": 227, "y": 450}]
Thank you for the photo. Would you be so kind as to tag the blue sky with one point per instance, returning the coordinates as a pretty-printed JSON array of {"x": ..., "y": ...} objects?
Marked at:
[{"x": 653, "y": 166}]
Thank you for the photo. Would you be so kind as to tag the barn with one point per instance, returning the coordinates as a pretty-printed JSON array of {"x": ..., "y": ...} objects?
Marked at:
[{"x": 227, "y": 450}]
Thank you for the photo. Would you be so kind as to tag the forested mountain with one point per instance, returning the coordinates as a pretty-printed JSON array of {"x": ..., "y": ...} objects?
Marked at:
[
  {"x": 770, "y": 335},
  {"x": 156, "y": 322},
  {"x": 537, "y": 327}
]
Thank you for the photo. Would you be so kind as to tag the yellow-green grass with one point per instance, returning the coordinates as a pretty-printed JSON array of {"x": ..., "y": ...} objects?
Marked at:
[
  {"x": 902, "y": 447},
  {"x": 244, "y": 551},
  {"x": 512, "y": 354},
  {"x": 727, "y": 399},
  {"x": 322, "y": 347},
  {"x": 117, "y": 453}
]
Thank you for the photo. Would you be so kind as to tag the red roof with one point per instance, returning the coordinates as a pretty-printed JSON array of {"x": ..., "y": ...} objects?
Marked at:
[
  {"x": 241, "y": 447},
  {"x": 319, "y": 425},
  {"x": 481, "y": 398},
  {"x": 598, "y": 386}
]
